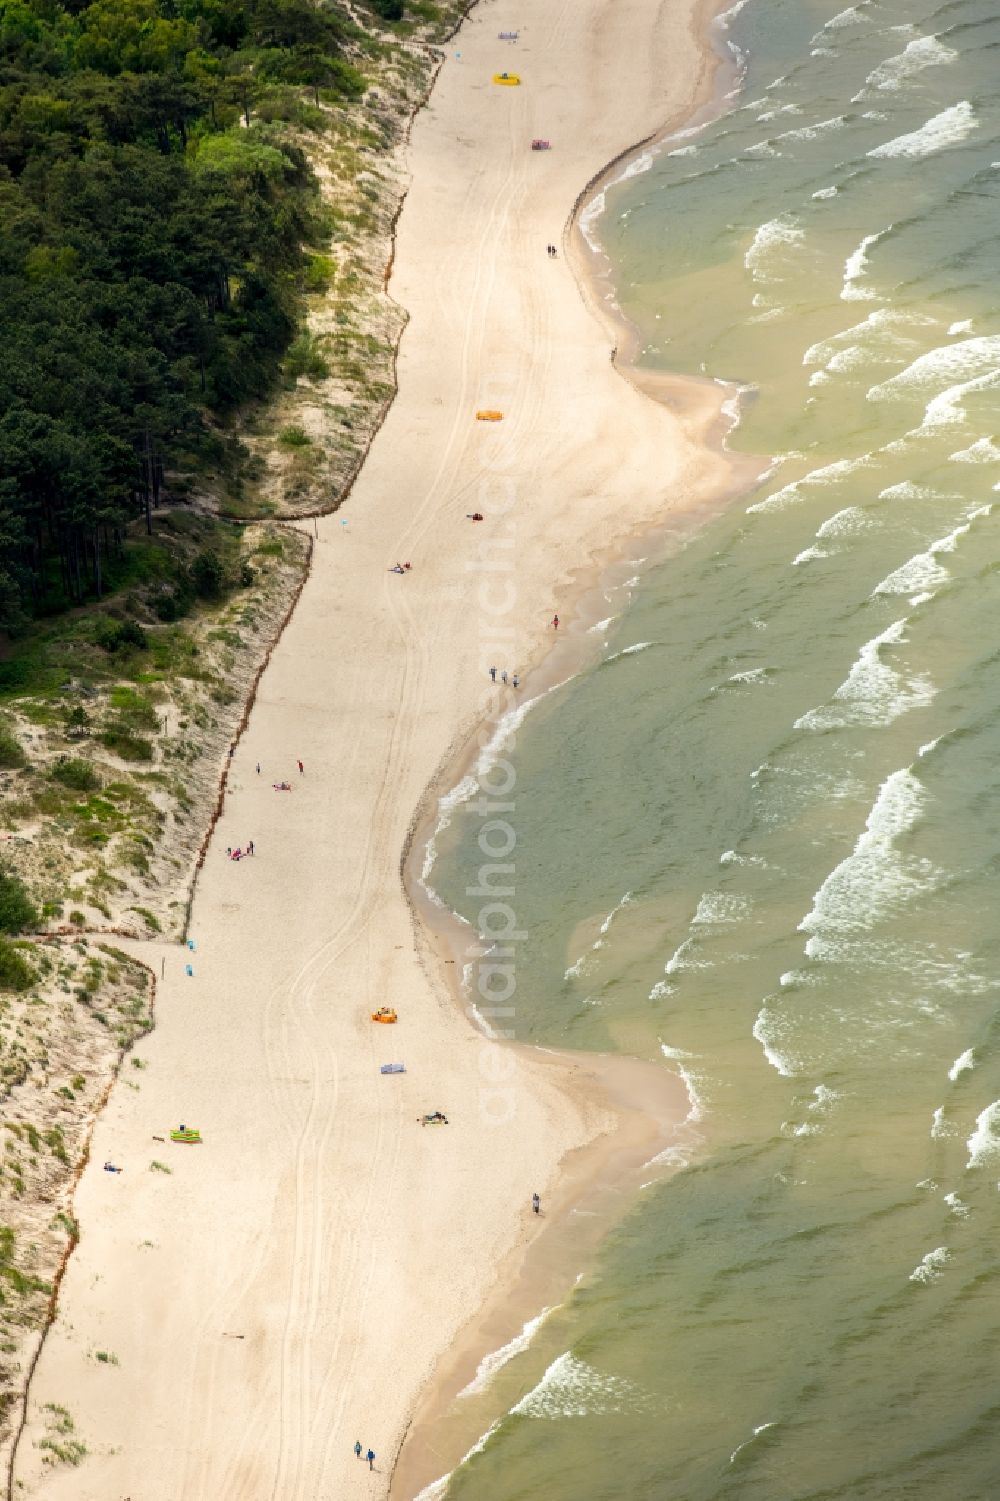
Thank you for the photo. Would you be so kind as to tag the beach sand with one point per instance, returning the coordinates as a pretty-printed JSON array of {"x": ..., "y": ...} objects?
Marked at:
[{"x": 292, "y": 1284}]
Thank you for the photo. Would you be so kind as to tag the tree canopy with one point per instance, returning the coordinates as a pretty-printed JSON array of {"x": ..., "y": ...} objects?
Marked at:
[{"x": 152, "y": 228}]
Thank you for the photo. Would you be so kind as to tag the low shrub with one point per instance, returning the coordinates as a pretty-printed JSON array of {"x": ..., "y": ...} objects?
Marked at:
[
  {"x": 77, "y": 774},
  {"x": 17, "y": 910}
]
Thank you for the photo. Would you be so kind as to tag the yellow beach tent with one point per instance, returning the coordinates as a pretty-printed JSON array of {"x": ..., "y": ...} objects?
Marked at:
[
  {"x": 486, "y": 415},
  {"x": 510, "y": 79}
]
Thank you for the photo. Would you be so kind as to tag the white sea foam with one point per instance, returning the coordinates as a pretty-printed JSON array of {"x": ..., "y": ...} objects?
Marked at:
[
  {"x": 828, "y": 474},
  {"x": 752, "y": 675},
  {"x": 923, "y": 52},
  {"x": 571, "y": 1388},
  {"x": 808, "y": 555},
  {"x": 856, "y": 267},
  {"x": 692, "y": 1083},
  {"x": 772, "y": 242},
  {"x": 983, "y": 451},
  {"x": 721, "y": 907},
  {"x": 964, "y": 325},
  {"x": 873, "y": 692},
  {"x": 962, "y": 1063},
  {"x": 850, "y": 17},
  {"x": 769, "y": 1031},
  {"x": 684, "y": 151},
  {"x": 826, "y": 193},
  {"x": 946, "y": 129},
  {"x": 984, "y": 1143},
  {"x": 932, "y": 1265},
  {"x": 730, "y": 857},
  {"x": 939, "y": 1126},
  {"x": 601, "y": 626},
  {"x": 846, "y": 523},
  {"x": 491, "y": 1364},
  {"x": 957, "y": 1206},
  {"x": 875, "y": 879},
  {"x": 907, "y": 490}
]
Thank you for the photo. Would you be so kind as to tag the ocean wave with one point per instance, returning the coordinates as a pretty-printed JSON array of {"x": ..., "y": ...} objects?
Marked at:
[
  {"x": 948, "y": 128},
  {"x": 772, "y": 1034},
  {"x": 983, "y": 451},
  {"x": 932, "y": 1265},
  {"x": 772, "y": 240},
  {"x": 939, "y": 1126},
  {"x": 628, "y": 651},
  {"x": 875, "y": 880},
  {"x": 571, "y": 1388},
  {"x": 882, "y": 333},
  {"x": 957, "y": 1206},
  {"x": 962, "y": 1064},
  {"x": 923, "y": 573},
  {"x": 828, "y": 474},
  {"x": 811, "y": 132},
  {"x": 856, "y": 267},
  {"x": 760, "y": 1428},
  {"x": 751, "y": 675},
  {"x": 822, "y": 193},
  {"x": 923, "y": 52},
  {"x": 600, "y": 626},
  {"x": 961, "y": 369},
  {"x": 491, "y": 1364},
  {"x": 984, "y": 1143},
  {"x": 438, "y": 1488},
  {"x": 873, "y": 692},
  {"x": 584, "y": 964}
]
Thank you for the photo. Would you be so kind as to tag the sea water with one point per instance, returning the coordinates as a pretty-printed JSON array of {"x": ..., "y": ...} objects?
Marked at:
[{"x": 759, "y": 839}]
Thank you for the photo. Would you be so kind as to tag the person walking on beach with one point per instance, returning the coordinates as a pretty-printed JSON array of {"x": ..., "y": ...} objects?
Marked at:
[
  {"x": 301, "y": 767},
  {"x": 513, "y": 681},
  {"x": 493, "y": 674},
  {"x": 536, "y": 1204},
  {"x": 555, "y": 622},
  {"x": 370, "y": 1456},
  {"x": 503, "y": 676},
  {"x": 250, "y": 847},
  {"x": 258, "y": 768},
  {"x": 357, "y": 1449}
]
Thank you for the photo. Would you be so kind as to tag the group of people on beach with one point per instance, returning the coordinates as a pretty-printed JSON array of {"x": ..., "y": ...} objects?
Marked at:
[
  {"x": 551, "y": 252},
  {"x": 514, "y": 679},
  {"x": 239, "y": 853},
  {"x": 359, "y": 1453}
]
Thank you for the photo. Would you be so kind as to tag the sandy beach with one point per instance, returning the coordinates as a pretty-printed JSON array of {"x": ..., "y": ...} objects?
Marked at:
[{"x": 291, "y": 1285}]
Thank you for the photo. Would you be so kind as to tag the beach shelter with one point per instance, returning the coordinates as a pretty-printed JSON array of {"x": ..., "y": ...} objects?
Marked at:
[{"x": 511, "y": 80}]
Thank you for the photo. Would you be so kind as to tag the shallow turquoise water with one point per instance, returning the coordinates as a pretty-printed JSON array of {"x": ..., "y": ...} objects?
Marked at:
[{"x": 759, "y": 840}]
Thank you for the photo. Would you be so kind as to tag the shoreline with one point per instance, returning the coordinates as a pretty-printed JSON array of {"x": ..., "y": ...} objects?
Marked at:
[
  {"x": 527, "y": 1281},
  {"x": 327, "y": 1155}
]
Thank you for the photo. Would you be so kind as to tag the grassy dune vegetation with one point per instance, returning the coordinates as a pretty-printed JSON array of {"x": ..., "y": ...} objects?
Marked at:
[{"x": 196, "y": 208}]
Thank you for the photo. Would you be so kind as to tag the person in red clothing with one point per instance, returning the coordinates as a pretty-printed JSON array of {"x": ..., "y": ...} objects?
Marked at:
[{"x": 301, "y": 767}]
